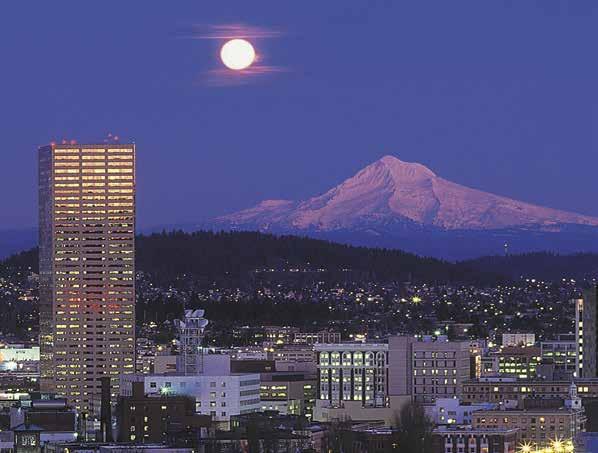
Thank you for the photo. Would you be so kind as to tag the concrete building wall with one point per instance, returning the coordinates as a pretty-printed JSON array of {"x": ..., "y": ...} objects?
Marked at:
[{"x": 400, "y": 371}]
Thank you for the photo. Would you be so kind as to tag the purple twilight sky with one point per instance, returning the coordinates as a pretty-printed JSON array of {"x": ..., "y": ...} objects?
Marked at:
[{"x": 500, "y": 96}]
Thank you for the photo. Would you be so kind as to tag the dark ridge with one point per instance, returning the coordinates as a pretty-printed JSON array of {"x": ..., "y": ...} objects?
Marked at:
[
  {"x": 539, "y": 265},
  {"x": 232, "y": 257}
]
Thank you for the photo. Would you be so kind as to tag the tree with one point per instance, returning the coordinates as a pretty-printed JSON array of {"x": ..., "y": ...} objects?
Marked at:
[
  {"x": 339, "y": 436},
  {"x": 414, "y": 430}
]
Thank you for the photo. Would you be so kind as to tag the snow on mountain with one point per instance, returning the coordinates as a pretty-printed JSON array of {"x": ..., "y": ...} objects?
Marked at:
[{"x": 390, "y": 191}]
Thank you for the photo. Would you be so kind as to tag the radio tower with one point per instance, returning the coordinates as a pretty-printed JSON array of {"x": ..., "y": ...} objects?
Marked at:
[{"x": 191, "y": 329}]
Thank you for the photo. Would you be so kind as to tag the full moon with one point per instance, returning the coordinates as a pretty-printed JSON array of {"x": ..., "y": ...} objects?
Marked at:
[{"x": 237, "y": 54}]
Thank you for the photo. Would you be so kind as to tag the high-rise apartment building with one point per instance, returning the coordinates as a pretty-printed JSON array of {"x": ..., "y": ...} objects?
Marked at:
[{"x": 87, "y": 269}]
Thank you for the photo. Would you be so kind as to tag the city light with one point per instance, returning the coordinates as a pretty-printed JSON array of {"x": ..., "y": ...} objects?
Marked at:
[{"x": 556, "y": 445}]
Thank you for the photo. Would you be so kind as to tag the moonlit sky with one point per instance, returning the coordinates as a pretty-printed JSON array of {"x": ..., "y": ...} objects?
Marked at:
[{"x": 500, "y": 96}]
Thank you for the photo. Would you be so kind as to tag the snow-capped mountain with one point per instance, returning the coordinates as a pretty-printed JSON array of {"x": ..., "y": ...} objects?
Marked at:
[{"x": 394, "y": 203}]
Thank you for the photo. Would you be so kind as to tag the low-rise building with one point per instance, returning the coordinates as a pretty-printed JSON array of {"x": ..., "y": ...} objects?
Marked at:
[
  {"x": 158, "y": 418},
  {"x": 42, "y": 421},
  {"x": 295, "y": 353},
  {"x": 561, "y": 353},
  {"x": 474, "y": 440},
  {"x": 288, "y": 393},
  {"x": 518, "y": 339},
  {"x": 519, "y": 361},
  {"x": 451, "y": 411},
  {"x": 217, "y": 392},
  {"x": 536, "y": 426},
  {"x": 497, "y": 389},
  {"x": 322, "y": 336}
]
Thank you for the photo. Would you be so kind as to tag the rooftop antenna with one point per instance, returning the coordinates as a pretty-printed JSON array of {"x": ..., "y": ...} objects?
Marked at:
[{"x": 111, "y": 138}]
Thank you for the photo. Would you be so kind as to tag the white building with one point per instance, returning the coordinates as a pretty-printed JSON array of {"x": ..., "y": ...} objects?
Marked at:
[
  {"x": 217, "y": 391},
  {"x": 19, "y": 357},
  {"x": 518, "y": 339},
  {"x": 450, "y": 411},
  {"x": 354, "y": 383},
  {"x": 353, "y": 372}
]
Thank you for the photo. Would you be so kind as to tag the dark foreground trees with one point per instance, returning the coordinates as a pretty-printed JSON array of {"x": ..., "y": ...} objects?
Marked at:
[{"x": 414, "y": 430}]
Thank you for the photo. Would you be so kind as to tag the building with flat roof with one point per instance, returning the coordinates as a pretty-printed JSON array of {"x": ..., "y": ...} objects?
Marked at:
[
  {"x": 474, "y": 440},
  {"x": 288, "y": 393},
  {"x": 428, "y": 368},
  {"x": 451, "y": 411},
  {"x": 536, "y": 426},
  {"x": 499, "y": 389},
  {"x": 159, "y": 418},
  {"x": 518, "y": 339},
  {"x": 519, "y": 361},
  {"x": 217, "y": 391},
  {"x": 87, "y": 268},
  {"x": 353, "y": 372}
]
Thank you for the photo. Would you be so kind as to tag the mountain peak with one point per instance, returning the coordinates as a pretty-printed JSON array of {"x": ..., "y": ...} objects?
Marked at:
[
  {"x": 393, "y": 192},
  {"x": 402, "y": 169}
]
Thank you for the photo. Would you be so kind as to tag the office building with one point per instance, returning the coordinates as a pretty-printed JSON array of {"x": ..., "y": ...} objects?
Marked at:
[
  {"x": 537, "y": 427},
  {"x": 353, "y": 383},
  {"x": 585, "y": 333},
  {"x": 474, "y": 440},
  {"x": 87, "y": 269},
  {"x": 562, "y": 353},
  {"x": 353, "y": 372},
  {"x": 451, "y": 411},
  {"x": 159, "y": 418},
  {"x": 322, "y": 336},
  {"x": 288, "y": 393},
  {"x": 499, "y": 389},
  {"x": 518, "y": 339},
  {"x": 217, "y": 392},
  {"x": 519, "y": 361},
  {"x": 428, "y": 367}
]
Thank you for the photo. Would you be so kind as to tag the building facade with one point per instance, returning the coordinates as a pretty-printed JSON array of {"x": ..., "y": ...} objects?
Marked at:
[
  {"x": 158, "y": 418},
  {"x": 518, "y": 339},
  {"x": 218, "y": 396},
  {"x": 537, "y": 427},
  {"x": 561, "y": 353},
  {"x": 499, "y": 389},
  {"x": 472, "y": 440},
  {"x": 519, "y": 361},
  {"x": 439, "y": 369},
  {"x": 289, "y": 394},
  {"x": 87, "y": 268},
  {"x": 353, "y": 372},
  {"x": 585, "y": 333}
]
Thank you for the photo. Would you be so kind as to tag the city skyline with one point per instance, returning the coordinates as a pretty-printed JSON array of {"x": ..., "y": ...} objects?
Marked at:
[
  {"x": 466, "y": 90},
  {"x": 320, "y": 227}
]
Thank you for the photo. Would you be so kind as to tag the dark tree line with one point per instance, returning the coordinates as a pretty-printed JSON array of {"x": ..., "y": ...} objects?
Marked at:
[{"x": 230, "y": 258}]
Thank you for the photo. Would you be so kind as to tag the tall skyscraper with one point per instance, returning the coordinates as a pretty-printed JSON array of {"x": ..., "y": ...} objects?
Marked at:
[
  {"x": 586, "y": 314},
  {"x": 87, "y": 269}
]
